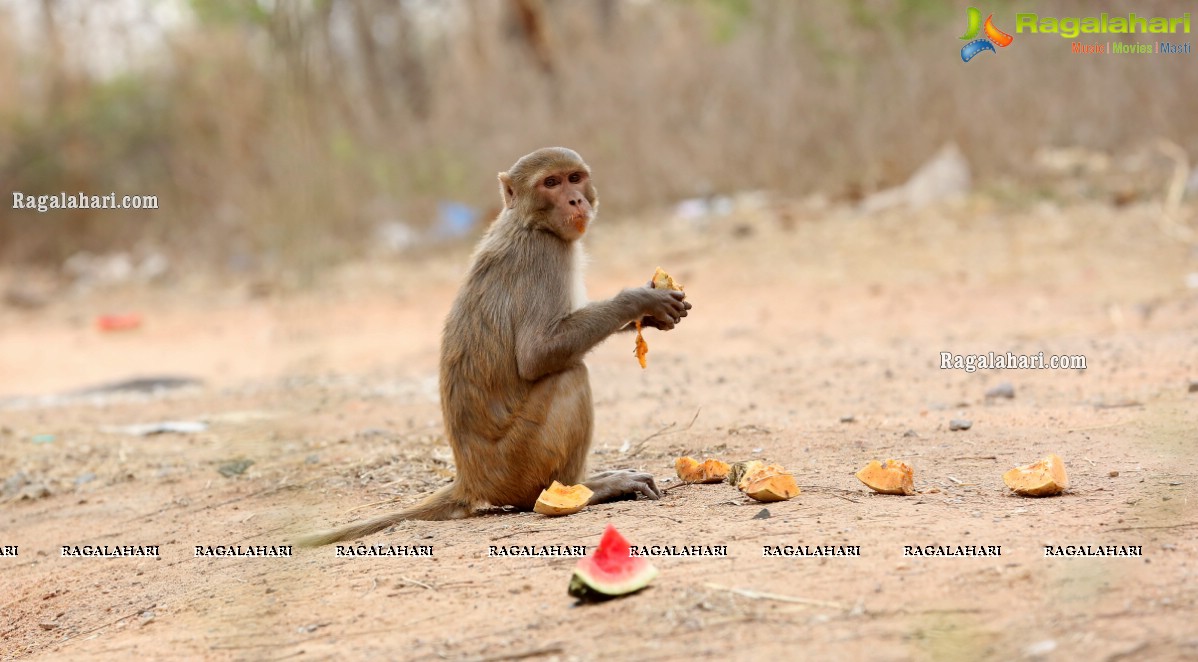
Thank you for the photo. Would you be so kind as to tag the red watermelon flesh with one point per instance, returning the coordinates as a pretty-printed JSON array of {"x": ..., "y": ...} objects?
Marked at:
[{"x": 611, "y": 570}]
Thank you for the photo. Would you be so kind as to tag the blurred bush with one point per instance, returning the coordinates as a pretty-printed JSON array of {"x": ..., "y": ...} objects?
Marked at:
[{"x": 279, "y": 133}]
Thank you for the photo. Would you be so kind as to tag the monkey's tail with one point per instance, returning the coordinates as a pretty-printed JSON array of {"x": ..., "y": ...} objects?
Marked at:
[{"x": 443, "y": 504}]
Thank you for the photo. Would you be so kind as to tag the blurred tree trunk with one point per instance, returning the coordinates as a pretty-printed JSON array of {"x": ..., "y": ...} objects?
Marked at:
[
  {"x": 368, "y": 50},
  {"x": 530, "y": 14},
  {"x": 57, "y": 86},
  {"x": 412, "y": 71}
]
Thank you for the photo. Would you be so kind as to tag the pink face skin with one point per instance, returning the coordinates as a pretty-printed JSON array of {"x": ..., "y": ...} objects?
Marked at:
[{"x": 567, "y": 191}]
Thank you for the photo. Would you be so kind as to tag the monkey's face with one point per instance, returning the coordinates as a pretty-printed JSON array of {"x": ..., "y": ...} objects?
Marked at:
[
  {"x": 568, "y": 200},
  {"x": 551, "y": 190}
]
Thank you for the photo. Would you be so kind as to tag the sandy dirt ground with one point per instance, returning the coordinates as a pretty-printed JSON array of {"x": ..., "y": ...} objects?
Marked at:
[{"x": 814, "y": 342}]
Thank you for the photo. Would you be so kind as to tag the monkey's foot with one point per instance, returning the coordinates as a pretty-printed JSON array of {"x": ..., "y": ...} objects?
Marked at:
[{"x": 608, "y": 485}]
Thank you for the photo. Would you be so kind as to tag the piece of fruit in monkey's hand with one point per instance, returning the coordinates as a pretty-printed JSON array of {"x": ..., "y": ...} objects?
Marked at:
[
  {"x": 558, "y": 499},
  {"x": 661, "y": 281}
]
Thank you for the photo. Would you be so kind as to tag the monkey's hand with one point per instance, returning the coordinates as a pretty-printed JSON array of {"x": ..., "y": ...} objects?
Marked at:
[
  {"x": 608, "y": 485},
  {"x": 660, "y": 309}
]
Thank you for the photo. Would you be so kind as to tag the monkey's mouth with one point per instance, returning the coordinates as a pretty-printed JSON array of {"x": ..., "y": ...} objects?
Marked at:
[{"x": 580, "y": 222}]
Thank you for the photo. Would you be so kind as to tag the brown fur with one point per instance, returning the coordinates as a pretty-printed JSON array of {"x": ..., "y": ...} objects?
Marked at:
[{"x": 515, "y": 394}]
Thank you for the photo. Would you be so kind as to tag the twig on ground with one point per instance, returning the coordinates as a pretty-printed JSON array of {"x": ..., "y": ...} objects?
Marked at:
[
  {"x": 553, "y": 649},
  {"x": 640, "y": 446},
  {"x": 109, "y": 623},
  {"x": 517, "y": 533},
  {"x": 758, "y": 595},
  {"x": 418, "y": 583},
  {"x": 1183, "y": 525}
]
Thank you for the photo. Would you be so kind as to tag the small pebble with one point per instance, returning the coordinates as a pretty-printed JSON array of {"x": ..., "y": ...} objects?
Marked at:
[
  {"x": 234, "y": 468},
  {"x": 764, "y": 513},
  {"x": 1040, "y": 648},
  {"x": 1114, "y": 474},
  {"x": 1003, "y": 390},
  {"x": 848, "y": 419},
  {"x": 960, "y": 424}
]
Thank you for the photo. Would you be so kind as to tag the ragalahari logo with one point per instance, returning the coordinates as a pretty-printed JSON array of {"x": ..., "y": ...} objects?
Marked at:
[{"x": 994, "y": 36}]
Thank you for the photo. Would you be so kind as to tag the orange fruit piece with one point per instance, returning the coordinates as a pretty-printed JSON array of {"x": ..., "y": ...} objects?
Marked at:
[
  {"x": 691, "y": 470},
  {"x": 1044, "y": 478},
  {"x": 661, "y": 281},
  {"x": 889, "y": 477},
  {"x": 558, "y": 499},
  {"x": 764, "y": 482}
]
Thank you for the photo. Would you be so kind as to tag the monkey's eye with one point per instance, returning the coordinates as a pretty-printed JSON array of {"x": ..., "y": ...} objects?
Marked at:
[
  {"x": 575, "y": 177},
  {"x": 550, "y": 182}
]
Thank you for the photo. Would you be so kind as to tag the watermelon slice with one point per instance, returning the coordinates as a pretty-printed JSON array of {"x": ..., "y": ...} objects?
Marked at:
[{"x": 611, "y": 570}]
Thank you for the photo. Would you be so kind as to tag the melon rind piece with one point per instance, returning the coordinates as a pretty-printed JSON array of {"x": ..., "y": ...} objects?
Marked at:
[
  {"x": 558, "y": 499},
  {"x": 1044, "y": 478},
  {"x": 889, "y": 477},
  {"x": 691, "y": 470},
  {"x": 610, "y": 571}
]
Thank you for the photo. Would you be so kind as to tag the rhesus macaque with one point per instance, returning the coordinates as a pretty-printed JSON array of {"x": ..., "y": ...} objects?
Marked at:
[{"x": 515, "y": 394}]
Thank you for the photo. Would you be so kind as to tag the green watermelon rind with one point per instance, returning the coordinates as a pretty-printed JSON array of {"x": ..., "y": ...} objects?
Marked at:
[
  {"x": 586, "y": 583},
  {"x": 586, "y": 587}
]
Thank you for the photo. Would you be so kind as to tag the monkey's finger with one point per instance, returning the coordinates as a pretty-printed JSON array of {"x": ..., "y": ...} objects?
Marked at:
[
  {"x": 647, "y": 489},
  {"x": 688, "y": 305},
  {"x": 678, "y": 295},
  {"x": 653, "y": 486}
]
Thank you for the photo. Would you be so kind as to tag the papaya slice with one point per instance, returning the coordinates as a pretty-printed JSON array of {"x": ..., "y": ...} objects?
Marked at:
[
  {"x": 889, "y": 477},
  {"x": 558, "y": 499},
  {"x": 661, "y": 281},
  {"x": 763, "y": 482},
  {"x": 771, "y": 487},
  {"x": 691, "y": 470},
  {"x": 1044, "y": 478},
  {"x": 739, "y": 469}
]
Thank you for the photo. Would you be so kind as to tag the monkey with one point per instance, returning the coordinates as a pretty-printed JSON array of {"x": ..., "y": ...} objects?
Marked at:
[{"x": 515, "y": 392}]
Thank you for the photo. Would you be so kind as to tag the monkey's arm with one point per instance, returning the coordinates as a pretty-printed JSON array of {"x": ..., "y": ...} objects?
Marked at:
[
  {"x": 646, "y": 322},
  {"x": 547, "y": 346}
]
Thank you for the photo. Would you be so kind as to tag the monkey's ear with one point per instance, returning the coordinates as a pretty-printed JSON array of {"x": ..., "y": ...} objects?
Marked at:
[{"x": 506, "y": 190}]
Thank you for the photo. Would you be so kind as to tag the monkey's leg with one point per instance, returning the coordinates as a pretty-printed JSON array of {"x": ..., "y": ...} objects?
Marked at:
[
  {"x": 606, "y": 485},
  {"x": 550, "y": 440}
]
